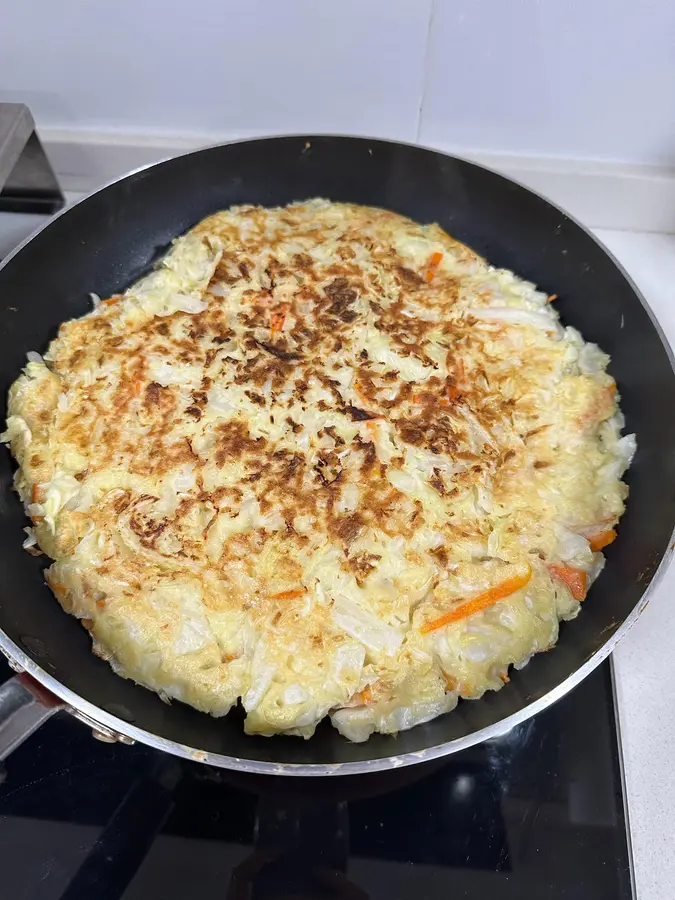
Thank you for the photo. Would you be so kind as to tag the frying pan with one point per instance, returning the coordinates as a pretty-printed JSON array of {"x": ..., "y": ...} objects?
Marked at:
[{"x": 112, "y": 237}]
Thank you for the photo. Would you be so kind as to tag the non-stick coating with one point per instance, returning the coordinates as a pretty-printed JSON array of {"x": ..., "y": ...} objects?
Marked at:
[{"x": 108, "y": 240}]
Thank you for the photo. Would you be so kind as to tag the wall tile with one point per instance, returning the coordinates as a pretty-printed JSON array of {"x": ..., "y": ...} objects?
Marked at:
[
  {"x": 219, "y": 66},
  {"x": 579, "y": 78}
]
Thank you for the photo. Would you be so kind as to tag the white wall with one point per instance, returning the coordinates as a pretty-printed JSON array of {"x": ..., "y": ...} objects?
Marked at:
[
  {"x": 589, "y": 79},
  {"x": 221, "y": 66}
]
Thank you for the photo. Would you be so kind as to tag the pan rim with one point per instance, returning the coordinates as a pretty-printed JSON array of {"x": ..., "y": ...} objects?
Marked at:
[{"x": 97, "y": 715}]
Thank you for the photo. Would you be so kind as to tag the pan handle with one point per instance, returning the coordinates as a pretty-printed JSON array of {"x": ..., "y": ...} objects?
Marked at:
[{"x": 24, "y": 706}]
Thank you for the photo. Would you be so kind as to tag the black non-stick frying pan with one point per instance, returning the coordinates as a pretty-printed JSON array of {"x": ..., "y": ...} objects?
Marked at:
[{"x": 108, "y": 240}]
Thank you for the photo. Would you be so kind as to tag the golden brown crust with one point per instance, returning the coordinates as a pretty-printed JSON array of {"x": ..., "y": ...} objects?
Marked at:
[{"x": 305, "y": 408}]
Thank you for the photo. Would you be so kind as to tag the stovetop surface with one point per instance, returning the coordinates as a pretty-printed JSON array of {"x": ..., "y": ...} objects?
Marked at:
[{"x": 536, "y": 814}]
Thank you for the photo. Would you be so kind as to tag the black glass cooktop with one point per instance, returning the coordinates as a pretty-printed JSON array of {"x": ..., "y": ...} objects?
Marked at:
[{"x": 535, "y": 815}]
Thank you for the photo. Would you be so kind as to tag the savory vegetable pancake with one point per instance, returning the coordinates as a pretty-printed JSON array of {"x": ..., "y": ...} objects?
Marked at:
[{"x": 322, "y": 459}]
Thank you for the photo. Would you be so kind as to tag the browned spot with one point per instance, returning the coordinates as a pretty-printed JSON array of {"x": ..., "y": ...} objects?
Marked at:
[
  {"x": 153, "y": 393},
  {"x": 360, "y": 415},
  {"x": 437, "y": 435},
  {"x": 234, "y": 441},
  {"x": 363, "y": 564},
  {"x": 409, "y": 277},
  {"x": 348, "y": 528},
  {"x": 75, "y": 358},
  {"x": 256, "y": 398},
  {"x": 533, "y": 431},
  {"x": 277, "y": 350},
  {"x": 303, "y": 261},
  {"x": 441, "y": 555},
  {"x": 342, "y": 296},
  {"x": 437, "y": 482}
]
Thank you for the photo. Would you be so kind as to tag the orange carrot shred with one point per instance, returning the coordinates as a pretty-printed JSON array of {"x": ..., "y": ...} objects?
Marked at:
[
  {"x": 358, "y": 390},
  {"x": 36, "y": 493},
  {"x": 575, "y": 579},
  {"x": 287, "y": 595},
  {"x": 451, "y": 683},
  {"x": 100, "y": 604},
  {"x": 482, "y": 601},
  {"x": 598, "y": 541},
  {"x": 364, "y": 697},
  {"x": 434, "y": 262},
  {"x": 37, "y": 519},
  {"x": 551, "y": 298},
  {"x": 278, "y": 317}
]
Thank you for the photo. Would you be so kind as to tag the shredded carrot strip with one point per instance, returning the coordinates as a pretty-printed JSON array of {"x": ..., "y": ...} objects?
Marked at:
[
  {"x": 36, "y": 494},
  {"x": 287, "y": 595},
  {"x": 504, "y": 677},
  {"x": 37, "y": 519},
  {"x": 364, "y": 697},
  {"x": 551, "y": 298},
  {"x": 100, "y": 604},
  {"x": 113, "y": 299},
  {"x": 57, "y": 587},
  {"x": 598, "y": 541},
  {"x": 450, "y": 682},
  {"x": 434, "y": 262},
  {"x": 278, "y": 317},
  {"x": 138, "y": 387},
  {"x": 358, "y": 390},
  {"x": 482, "y": 601},
  {"x": 575, "y": 579}
]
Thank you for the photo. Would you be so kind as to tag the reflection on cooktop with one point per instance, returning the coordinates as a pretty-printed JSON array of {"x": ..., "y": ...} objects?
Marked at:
[{"x": 536, "y": 814}]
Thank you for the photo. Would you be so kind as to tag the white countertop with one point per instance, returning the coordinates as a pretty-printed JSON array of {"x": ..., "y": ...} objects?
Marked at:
[{"x": 642, "y": 662}]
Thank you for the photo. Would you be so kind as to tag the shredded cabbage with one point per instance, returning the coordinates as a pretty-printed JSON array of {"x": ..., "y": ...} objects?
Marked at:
[{"x": 515, "y": 316}]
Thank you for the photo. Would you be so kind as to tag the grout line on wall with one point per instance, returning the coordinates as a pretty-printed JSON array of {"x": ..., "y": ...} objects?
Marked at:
[{"x": 425, "y": 71}]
